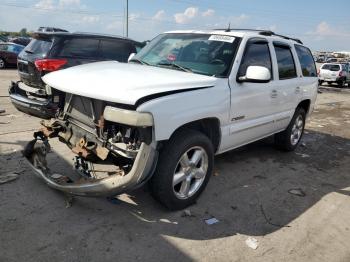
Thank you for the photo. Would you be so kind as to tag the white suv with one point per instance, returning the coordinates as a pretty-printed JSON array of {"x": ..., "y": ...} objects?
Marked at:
[
  {"x": 161, "y": 118},
  {"x": 334, "y": 73}
]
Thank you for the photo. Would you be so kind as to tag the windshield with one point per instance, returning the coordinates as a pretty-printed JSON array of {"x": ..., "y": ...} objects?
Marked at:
[{"x": 198, "y": 53}]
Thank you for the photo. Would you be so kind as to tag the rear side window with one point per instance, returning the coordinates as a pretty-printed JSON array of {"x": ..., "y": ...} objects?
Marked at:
[
  {"x": 331, "y": 67},
  {"x": 79, "y": 48},
  {"x": 256, "y": 54},
  {"x": 285, "y": 61},
  {"x": 40, "y": 47},
  {"x": 116, "y": 50},
  {"x": 306, "y": 61}
]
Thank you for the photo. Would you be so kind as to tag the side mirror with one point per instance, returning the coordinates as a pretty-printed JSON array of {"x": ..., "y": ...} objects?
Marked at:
[
  {"x": 131, "y": 56},
  {"x": 256, "y": 74}
]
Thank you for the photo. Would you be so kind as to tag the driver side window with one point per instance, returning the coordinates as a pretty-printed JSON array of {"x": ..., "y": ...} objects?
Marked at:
[{"x": 257, "y": 53}]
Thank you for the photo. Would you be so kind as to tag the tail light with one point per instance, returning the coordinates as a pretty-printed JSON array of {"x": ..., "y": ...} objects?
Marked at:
[
  {"x": 49, "y": 64},
  {"x": 318, "y": 72}
]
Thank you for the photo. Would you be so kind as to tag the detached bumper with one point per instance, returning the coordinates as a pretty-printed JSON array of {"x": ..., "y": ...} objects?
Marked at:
[
  {"x": 43, "y": 108},
  {"x": 112, "y": 185}
]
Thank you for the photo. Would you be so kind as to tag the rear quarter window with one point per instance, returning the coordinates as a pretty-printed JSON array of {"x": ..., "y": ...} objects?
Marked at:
[
  {"x": 116, "y": 50},
  {"x": 79, "y": 48},
  {"x": 306, "y": 60}
]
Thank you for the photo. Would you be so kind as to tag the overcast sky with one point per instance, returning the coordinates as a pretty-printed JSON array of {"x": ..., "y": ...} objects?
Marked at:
[{"x": 322, "y": 25}]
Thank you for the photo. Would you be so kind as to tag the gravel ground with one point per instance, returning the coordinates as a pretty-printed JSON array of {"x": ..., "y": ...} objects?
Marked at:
[{"x": 249, "y": 194}]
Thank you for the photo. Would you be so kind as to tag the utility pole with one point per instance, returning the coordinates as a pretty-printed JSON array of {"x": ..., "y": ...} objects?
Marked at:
[{"x": 127, "y": 18}]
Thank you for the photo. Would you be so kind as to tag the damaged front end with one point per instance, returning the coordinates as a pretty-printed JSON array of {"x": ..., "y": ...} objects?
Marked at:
[{"x": 113, "y": 148}]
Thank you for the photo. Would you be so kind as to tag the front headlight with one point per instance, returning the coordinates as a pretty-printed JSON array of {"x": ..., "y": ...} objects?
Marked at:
[{"x": 127, "y": 117}]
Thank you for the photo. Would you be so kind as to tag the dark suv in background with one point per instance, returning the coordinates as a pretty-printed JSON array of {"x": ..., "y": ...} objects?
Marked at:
[{"x": 51, "y": 51}]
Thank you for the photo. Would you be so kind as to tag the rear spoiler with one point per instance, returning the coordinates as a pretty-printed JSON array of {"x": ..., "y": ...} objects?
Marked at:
[{"x": 48, "y": 35}]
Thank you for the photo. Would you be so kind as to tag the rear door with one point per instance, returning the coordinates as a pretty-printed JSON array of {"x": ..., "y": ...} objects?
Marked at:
[
  {"x": 288, "y": 84},
  {"x": 12, "y": 52}
]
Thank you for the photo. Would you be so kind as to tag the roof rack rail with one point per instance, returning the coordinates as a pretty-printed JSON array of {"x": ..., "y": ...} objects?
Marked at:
[
  {"x": 262, "y": 32},
  {"x": 270, "y": 33}
]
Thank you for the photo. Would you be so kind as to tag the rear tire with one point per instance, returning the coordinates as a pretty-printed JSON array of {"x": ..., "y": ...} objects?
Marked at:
[
  {"x": 289, "y": 139},
  {"x": 341, "y": 83},
  {"x": 2, "y": 63},
  {"x": 184, "y": 168}
]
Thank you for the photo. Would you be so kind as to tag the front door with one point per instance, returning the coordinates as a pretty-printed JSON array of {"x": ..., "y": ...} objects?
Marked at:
[{"x": 252, "y": 110}]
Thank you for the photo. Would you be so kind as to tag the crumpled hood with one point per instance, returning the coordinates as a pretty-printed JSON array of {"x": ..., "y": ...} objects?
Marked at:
[{"x": 123, "y": 83}]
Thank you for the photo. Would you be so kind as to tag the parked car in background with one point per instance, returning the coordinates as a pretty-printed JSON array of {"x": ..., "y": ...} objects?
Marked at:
[
  {"x": 162, "y": 117},
  {"x": 21, "y": 40},
  {"x": 52, "y": 51},
  {"x": 332, "y": 60},
  {"x": 334, "y": 73},
  {"x": 9, "y": 53}
]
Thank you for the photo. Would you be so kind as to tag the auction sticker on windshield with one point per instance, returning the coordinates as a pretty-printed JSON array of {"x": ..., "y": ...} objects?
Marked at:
[{"x": 222, "y": 38}]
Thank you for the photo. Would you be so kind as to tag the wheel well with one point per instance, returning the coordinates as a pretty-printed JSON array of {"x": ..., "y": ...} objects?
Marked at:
[
  {"x": 209, "y": 127},
  {"x": 305, "y": 104}
]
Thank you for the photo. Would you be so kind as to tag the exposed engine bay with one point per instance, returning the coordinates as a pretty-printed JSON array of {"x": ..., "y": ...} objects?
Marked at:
[{"x": 103, "y": 147}]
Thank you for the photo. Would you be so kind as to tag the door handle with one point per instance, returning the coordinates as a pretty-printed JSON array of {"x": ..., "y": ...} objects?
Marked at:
[
  {"x": 274, "y": 93},
  {"x": 297, "y": 90}
]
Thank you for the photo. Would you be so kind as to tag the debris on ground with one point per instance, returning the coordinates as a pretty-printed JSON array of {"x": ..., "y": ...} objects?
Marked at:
[
  {"x": 216, "y": 173},
  {"x": 303, "y": 155},
  {"x": 303, "y": 144},
  {"x": 234, "y": 207},
  {"x": 68, "y": 198},
  {"x": 252, "y": 243},
  {"x": 186, "y": 213},
  {"x": 8, "y": 178},
  {"x": 211, "y": 221},
  {"x": 260, "y": 177},
  {"x": 114, "y": 200},
  {"x": 297, "y": 192},
  {"x": 12, "y": 116}
]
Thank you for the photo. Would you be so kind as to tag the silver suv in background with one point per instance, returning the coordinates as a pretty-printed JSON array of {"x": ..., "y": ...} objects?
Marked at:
[{"x": 334, "y": 73}]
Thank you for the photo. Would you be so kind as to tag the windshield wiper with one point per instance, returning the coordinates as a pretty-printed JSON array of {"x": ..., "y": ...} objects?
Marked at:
[
  {"x": 183, "y": 68},
  {"x": 139, "y": 61},
  {"x": 29, "y": 51}
]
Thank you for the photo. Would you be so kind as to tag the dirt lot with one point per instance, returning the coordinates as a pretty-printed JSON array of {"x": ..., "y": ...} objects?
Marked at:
[{"x": 248, "y": 195}]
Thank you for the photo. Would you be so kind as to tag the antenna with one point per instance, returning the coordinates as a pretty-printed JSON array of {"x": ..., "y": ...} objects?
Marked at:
[{"x": 229, "y": 28}]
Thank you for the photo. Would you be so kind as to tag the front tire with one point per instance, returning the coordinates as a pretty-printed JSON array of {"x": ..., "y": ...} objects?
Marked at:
[
  {"x": 184, "y": 168},
  {"x": 289, "y": 139}
]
